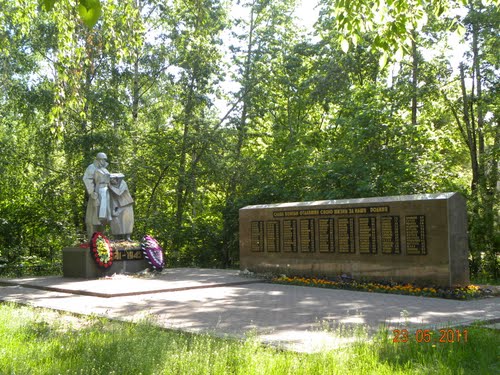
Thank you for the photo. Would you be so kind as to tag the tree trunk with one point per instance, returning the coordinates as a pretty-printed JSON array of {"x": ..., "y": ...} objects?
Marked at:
[
  {"x": 470, "y": 131},
  {"x": 414, "y": 81},
  {"x": 228, "y": 214},
  {"x": 182, "y": 169}
]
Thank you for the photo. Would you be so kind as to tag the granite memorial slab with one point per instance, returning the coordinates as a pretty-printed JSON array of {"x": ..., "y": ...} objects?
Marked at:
[{"x": 420, "y": 238}]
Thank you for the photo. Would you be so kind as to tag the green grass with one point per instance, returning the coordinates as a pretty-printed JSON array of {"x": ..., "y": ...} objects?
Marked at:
[{"x": 38, "y": 341}]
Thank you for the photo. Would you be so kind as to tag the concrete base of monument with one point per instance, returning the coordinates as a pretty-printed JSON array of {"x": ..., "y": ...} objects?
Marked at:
[
  {"x": 79, "y": 263},
  {"x": 422, "y": 275}
]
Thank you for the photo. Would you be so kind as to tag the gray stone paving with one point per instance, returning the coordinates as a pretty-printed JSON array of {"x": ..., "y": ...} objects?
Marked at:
[{"x": 224, "y": 303}]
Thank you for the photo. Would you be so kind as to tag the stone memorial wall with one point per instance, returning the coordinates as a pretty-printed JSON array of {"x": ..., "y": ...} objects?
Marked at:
[{"x": 413, "y": 238}]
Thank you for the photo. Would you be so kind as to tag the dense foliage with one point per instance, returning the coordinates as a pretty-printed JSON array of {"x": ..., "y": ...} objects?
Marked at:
[{"x": 210, "y": 105}]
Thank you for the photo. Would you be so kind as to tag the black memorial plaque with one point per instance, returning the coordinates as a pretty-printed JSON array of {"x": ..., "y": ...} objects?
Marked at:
[
  {"x": 290, "y": 235},
  {"x": 257, "y": 236},
  {"x": 390, "y": 233},
  {"x": 415, "y": 235},
  {"x": 273, "y": 236},
  {"x": 346, "y": 234},
  {"x": 367, "y": 227},
  {"x": 307, "y": 238},
  {"x": 326, "y": 235}
]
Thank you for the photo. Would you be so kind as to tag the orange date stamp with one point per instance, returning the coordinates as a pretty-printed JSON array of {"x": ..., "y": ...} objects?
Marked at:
[{"x": 439, "y": 336}]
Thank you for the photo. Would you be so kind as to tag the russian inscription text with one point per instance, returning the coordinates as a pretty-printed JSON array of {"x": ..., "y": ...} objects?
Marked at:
[
  {"x": 273, "y": 236},
  {"x": 346, "y": 234},
  {"x": 367, "y": 227},
  {"x": 257, "y": 236},
  {"x": 307, "y": 237},
  {"x": 289, "y": 235},
  {"x": 391, "y": 242},
  {"x": 415, "y": 235},
  {"x": 326, "y": 235}
]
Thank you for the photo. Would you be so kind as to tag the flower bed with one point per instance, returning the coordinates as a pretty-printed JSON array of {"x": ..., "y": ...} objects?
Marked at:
[{"x": 471, "y": 291}]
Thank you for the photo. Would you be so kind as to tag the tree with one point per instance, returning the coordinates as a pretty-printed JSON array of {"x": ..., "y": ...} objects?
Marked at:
[
  {"x": 33, "y": 210},
  {"x": 395, "y": 21},
  {"x": 315, "y": 117},
  {"x": 480, "y": 133},
  {"x": 195, "y": 39},
  {"x": 262, "y": 39}
]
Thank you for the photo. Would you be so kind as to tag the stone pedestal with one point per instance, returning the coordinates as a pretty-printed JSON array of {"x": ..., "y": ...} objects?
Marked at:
[{"x": 78, "y": 262}]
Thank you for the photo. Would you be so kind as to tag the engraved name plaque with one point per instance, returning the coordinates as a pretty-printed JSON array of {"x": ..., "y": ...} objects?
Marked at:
[
  {"x": 273, "y": 236},
  {"x": 367, "y": 235},
  {"x": 391, "y": 240},
  {"x": 290, "y": 235},
  {"x": 326, "y": 235},
  {"x": 257, "y": 236},
  {"x": 346, "y": 234},
  {"x": 415, "y": 235},
  {"x": 307, "y": 235}
]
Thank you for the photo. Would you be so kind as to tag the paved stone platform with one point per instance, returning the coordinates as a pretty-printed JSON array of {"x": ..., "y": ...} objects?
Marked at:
[
  {"x": 226, "y": 303},
  {"x": 122, "y": 286}
]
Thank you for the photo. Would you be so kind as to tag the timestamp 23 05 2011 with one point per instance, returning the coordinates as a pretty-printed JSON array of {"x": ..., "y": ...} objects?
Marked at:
[{"x": 442, "y": 336}]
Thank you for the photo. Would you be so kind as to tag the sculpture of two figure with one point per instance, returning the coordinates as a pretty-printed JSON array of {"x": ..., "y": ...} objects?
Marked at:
[{"x": 109, "y": 201}]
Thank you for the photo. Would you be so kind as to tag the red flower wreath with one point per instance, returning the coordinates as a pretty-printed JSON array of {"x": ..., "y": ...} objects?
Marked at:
[{"x": 101, "y": 250}]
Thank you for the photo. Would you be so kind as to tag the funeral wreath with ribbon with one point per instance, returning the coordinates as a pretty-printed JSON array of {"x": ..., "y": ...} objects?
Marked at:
[
  {"x": 101, "y": 250},
  {"x": 153, "y": 252}
]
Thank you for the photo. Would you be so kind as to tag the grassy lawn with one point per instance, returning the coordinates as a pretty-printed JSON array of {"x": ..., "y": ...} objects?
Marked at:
[{"x": 38, "y": 341}]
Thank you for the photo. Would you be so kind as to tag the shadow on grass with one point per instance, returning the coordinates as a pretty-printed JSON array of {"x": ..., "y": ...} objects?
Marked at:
[
  {"x": 38, "y": 341},
  {"x": 43, "y": 343}
]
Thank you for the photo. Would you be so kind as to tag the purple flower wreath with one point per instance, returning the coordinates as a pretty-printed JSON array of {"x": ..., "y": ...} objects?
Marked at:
[{"x": 153, "y": 252}]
